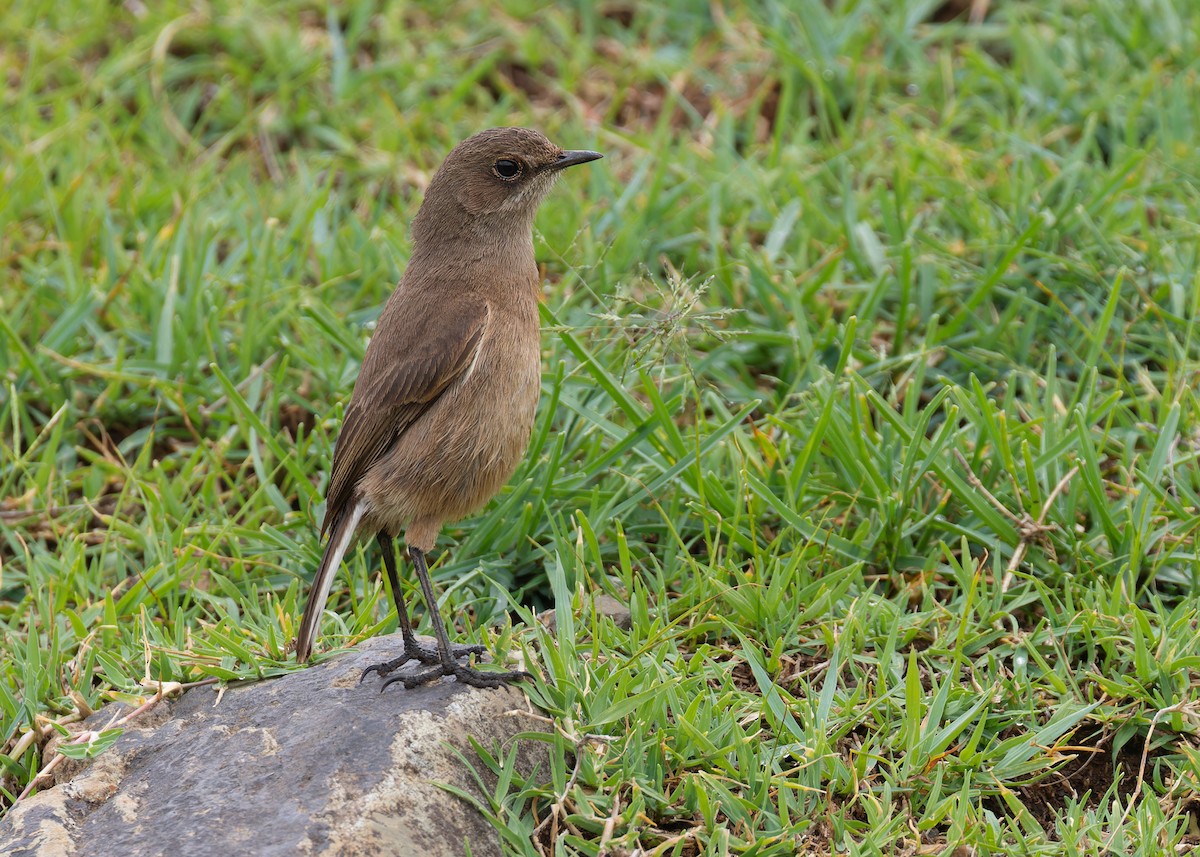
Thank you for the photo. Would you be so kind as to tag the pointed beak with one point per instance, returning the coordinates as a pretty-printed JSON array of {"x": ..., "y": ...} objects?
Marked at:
[{"x": 570, "y": 159}]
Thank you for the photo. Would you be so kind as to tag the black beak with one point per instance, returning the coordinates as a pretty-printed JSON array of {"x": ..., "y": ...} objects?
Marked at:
[{"x": 570, "y": 159}]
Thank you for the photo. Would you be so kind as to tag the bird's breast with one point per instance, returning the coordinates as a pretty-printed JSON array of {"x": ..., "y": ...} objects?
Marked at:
[{"x": 502, "y": 388}]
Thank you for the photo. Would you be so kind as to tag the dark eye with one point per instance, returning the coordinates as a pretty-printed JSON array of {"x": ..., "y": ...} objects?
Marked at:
[{"x": 507, "y": 168}]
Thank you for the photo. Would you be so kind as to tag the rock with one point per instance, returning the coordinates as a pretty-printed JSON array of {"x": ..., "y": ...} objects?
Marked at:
[
  {"x": 604, "y": 604},
  {"x": 309, "y": 763},
  {"x": 616, "y": 610}
]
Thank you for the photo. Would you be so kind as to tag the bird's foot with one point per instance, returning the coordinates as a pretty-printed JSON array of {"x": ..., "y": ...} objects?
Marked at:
[
  {"x": 415, "y": 651},
  {"x": 464, "y": 674}
]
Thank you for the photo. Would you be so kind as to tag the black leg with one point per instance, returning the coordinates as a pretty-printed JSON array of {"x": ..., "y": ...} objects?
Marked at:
[
  {"x": 447, "y": 663},
  {"x": 389, "y": 564},
  {"x": 413, "y": 649}
]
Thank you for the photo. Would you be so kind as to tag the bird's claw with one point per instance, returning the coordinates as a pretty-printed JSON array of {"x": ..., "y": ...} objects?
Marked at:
[
  {"x": 415, "y": 651},
  {"x": 464, "y": 674}
]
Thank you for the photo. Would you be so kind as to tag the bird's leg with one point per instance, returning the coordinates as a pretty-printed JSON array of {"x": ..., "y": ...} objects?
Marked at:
[
  {"x": 446, "y": 654},
  {"x": 413, "y": 649}
]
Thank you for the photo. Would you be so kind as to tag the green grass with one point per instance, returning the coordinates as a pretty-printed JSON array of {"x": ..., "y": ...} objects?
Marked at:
[{"x": 871, "y": 357}]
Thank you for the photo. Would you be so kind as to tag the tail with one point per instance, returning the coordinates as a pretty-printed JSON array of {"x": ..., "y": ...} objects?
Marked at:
[{"x": 341, "y": 536}]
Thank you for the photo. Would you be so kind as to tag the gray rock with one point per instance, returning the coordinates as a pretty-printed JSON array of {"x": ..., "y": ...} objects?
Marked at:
[
  {"x": 310, "y": 763},
  {"x": 605, "y": 605}
]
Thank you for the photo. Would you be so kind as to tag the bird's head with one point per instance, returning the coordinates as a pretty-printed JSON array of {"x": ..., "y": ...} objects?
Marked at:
[{"x": 501, "y": 174}]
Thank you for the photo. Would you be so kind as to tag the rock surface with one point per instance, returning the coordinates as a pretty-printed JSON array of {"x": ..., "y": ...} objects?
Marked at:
[
  {"x": 309, "y": 763},
  {"x": 604, "y": 605}
]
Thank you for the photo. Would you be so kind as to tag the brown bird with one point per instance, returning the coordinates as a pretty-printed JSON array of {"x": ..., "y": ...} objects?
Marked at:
[{"x": 445, "y": 400}]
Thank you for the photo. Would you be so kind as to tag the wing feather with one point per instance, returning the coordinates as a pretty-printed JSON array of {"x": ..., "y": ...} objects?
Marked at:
[{"x": 413, "y": 358}]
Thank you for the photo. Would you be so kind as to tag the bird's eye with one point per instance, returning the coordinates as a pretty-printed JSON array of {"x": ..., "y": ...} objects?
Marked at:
[{"x": 506, "y": 168}]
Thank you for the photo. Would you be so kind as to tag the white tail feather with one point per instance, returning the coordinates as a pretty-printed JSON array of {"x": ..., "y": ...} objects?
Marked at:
[{"x": 341, "y": 536}]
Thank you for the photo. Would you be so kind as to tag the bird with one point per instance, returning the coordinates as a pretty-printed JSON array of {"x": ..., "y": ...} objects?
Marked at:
[{"x": 443, "y": 408}]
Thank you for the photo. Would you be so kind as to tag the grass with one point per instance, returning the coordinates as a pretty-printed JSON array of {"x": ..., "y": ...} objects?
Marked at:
[{"x": 870, "y": 385}]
